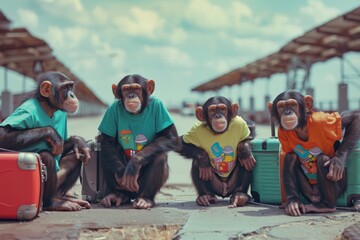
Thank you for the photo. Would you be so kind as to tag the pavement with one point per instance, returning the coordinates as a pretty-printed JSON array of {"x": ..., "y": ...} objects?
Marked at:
[{"x": 176, "y": 215}]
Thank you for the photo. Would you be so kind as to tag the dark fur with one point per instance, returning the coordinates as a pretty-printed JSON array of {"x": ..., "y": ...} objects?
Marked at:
[
  {"x": 150, "y": 162},
  {"x": 201, "y": 159},
  {"x": 294, "y": 179},
  {"x": 15, "y": 139}
]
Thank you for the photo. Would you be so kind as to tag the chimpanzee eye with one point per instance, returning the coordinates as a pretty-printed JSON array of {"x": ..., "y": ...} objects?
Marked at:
[{"x": 222, "y": 108}]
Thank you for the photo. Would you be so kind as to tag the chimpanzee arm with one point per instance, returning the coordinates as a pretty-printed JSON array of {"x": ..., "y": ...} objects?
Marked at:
[
  {"x": 16, "y": 139},
  {"x": 189, "y": 150},
  {"x": 351, "y": 123},
  {"x": 79, "y": 146},
  {"x": 164, "y": 141},
  {"x": 112, "y": 155}
]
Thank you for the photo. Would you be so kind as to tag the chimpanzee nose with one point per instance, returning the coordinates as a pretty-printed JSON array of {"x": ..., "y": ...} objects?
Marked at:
[
  {"x": 287, "y": 112},
  {"x": 131, "y": 95}
]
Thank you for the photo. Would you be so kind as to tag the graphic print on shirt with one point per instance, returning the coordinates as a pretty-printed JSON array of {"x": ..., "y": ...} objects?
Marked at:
[
  {"x": 223, "y": 161},
  {"x": 308, "y": 161},
  {"x": 130, "y": 144}
]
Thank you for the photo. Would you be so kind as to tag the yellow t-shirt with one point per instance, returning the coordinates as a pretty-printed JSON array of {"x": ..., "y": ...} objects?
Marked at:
[{"x": 221, "y": 148}]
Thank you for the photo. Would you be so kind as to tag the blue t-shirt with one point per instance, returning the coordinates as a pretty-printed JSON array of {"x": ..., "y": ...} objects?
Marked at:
[
  {"x": 30, "y": 115},
  {"x": 135, "y": 131}
]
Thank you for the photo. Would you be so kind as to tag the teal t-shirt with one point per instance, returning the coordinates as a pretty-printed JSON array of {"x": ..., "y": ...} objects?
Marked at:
[
  {"x": 134, "y": 132},
  {"x": 30, "y": 115}
]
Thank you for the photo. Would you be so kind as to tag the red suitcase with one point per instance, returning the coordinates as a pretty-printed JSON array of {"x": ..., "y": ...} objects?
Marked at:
[{"x": 22, "y": 177}]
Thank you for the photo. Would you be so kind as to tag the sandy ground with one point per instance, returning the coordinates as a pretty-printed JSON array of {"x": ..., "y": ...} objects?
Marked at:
[{"x": 176, "y": 216}]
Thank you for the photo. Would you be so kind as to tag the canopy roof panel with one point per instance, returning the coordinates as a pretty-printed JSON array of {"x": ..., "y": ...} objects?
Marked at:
[
  {"x": 331, "y": 39},
  {"x": 23, "y": 53}
]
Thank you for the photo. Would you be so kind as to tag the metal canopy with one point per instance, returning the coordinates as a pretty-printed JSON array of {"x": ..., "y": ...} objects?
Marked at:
[
  {"x": 332, "y": 39},
  {"x": 20, "y": 52}
]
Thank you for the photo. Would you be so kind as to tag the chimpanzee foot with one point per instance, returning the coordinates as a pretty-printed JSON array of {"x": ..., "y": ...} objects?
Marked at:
[
  {"x": 63, "y": 205},
  {"x": 82, "y": 203},
  {"x": 312, "y": 208},
  {"x": 238, "y": 200},
  {"x": 206, "y": 200},
  {"x": 114, "y": 198},
  {"x": 143, "y": 203}
]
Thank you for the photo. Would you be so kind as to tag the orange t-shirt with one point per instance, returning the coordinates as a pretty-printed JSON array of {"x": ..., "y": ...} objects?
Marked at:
[{"x": 324, "y": 129}]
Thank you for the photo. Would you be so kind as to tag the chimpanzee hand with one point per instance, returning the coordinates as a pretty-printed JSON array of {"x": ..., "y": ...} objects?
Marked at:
[
  {"x": 55, "y": 141},
  {"x": 248, "y": 163},
  {"x": 81, "y": 149},
  {"x": 245, "y": 156},
  {"x": 205, "y": 173},
  {"x": 129, "y": 180},
  {"x": 294, "y": 208},
  {"x": 336, "y": 167}
]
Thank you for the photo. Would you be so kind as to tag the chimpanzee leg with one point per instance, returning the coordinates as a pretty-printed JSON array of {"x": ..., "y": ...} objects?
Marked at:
[
  {"x": 112, "y": 159},
  {"x": 240, "y": 180},
  {"x": 152, "y": 177},
  {"x": 238, "y": 185},
  {"x": 329, "y": 190},
  {"x": 291, "y": 177},
  {"x": 202, "y": 187},
  {"x": 51, "y": 182},
  {"x": 68, "y": 173},
  {"x": 113, "y": 162}
]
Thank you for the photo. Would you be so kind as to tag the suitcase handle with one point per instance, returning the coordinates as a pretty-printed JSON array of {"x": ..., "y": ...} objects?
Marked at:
[{"x": 7, "y": 150}]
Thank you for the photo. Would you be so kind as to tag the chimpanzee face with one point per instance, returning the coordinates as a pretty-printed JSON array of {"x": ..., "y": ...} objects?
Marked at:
[
  {"x": 134, "y": 91},
  {"x": 289, "y": 109},
  {"x": 132, "y": 96},
  {"x": 289, "y": 112},
  {"x": 58, "y": 91},
  {"x": 218, "y": 117},
  {"x": 217, "y": 112}
]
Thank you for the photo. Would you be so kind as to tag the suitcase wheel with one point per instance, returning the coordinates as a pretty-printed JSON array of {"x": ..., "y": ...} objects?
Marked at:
[{"x": 256, "y": 196}]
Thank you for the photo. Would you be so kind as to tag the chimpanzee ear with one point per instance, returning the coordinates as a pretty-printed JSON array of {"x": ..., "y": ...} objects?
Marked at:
[
  {"x": 114, "y": 88},
  {"x": 150, "y": 86},
  {"x": 235, "y": 109},
  {"x": 45, "y": 88},
  {"x": 269, "y": 106},
  {"x": 309, "y": 102},
  {"x": 199, "y": 114}
]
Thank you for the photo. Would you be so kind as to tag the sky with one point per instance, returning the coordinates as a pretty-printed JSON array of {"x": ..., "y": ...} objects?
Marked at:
[{"x": 179, "y": 43}]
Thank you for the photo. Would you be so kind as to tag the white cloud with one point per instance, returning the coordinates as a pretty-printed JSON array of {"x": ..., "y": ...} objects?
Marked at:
[
  {"x": 178, "y": 35},
  {"x": 240, "y": 11},
  {"x": 66, "y": 38},
  {"x": 75, "y": 35},
  {"x": 282, "y": 25},
  {"x": 28, "y": 18},
  {"x": 170, "y": 55},
  {"x": 70, "y": 9},
  {"x": 55, "y": 37},
  {"x": 205, "y": 14},
  {"x": 63, "y": 5},
  {"x": 319, "y": 11},
  {"x": 219, "y": 65},
  {"x": 256, "y": 44},
  {"x": 99, "y": 15},
  {"x": 140, "y": 22},
  {"x": 86, "y": 64}
]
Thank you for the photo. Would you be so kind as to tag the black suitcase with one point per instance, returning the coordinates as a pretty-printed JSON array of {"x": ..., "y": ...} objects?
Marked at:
[{"x": 94, "y": 187}]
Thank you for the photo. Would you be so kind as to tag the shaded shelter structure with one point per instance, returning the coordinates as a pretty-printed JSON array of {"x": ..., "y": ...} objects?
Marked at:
[
  {"x": 332, "y": 39},
  {"x": 27, "y": 55}
]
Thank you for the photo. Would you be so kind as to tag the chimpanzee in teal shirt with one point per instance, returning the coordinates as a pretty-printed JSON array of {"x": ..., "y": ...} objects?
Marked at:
[
  {"x": 136, "y": 133},
  {"x": 40, "y": 125}
]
